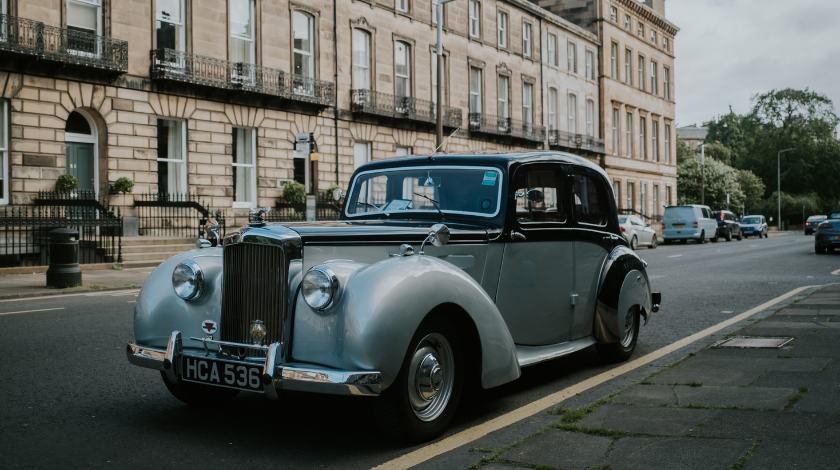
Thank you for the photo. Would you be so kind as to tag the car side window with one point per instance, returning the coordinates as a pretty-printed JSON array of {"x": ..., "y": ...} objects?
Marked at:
[
  {"x": 538, "y": 196},
  {"x": 590, "y": 203}
]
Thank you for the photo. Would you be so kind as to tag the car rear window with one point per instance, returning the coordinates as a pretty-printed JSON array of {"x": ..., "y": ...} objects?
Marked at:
[
  {"x": 679, "y": 213},
  {"x": 834, "y": 215}
]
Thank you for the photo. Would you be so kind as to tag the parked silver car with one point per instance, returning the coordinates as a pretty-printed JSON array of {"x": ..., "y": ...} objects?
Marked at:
[
  {"x": 637, "y": 232},
  {"x": 441, "y": 270}
]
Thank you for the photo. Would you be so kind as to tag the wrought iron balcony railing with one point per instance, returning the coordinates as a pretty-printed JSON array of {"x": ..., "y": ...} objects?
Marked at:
[
  {"x": 558, "y": 138},
  {"x": 33, "y": 38},
  {"x": 169, "y": 64},
  {"x": 496, "y": 125},
  {"x": 402, "y": 107}
]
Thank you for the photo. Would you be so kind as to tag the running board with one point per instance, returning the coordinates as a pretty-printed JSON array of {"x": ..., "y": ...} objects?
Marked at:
[{"x": 530, "y": 355}]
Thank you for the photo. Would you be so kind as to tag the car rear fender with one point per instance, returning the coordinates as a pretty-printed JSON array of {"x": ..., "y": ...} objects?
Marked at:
[{"x": 623, "y": 285}]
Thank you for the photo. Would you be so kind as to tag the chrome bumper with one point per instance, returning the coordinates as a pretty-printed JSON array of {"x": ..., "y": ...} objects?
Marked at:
[{"x": 287, "y": 376}]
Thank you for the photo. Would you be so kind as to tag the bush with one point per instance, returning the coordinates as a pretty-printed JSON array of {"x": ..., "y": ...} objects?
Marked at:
[
  {"x": 294, "y": 192},
  {"x": 124, "y": 185},
  {"x": 66, "y": 183},
  {"x": 329, "y": 192}
]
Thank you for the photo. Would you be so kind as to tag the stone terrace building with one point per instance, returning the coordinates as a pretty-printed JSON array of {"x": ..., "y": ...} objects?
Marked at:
[
  {"x": 637, "y": 88},
  {"x": 209, "y": 97}
]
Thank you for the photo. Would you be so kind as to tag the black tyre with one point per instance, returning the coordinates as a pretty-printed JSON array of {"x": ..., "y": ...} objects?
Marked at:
[
  {"x": 422, "y": 400},
  {"x": 765, "y": 235},
  {"x": 666, "y": 241},
  {"x": 623, "y": 349},
  {"x": 684, "y": 241},
  {"x": 702, "y": 238},
  {"x": 634, "y": 242},
  {"x": 728, "y": 235},
  {"x": 200, "y": 395},
  {"x": 715, "y": 238},
  {"x": 740, "y": 235},
  {"x": 819, "y": 249},
  {"x": 653, "y": 243}
]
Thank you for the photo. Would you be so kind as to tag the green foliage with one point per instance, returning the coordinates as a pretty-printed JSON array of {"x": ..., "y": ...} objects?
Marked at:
[
  {"x": 294, "y": 192},
  {"x": 792, "y": 206},
  {"x": 684, "y": 151},
  {"x": 720, "y": 181},
  {"x": 719, "y": 152},
  {"x": 751, "y": 185},
  {"x": 124, "y": 185},
  {"x": 66, "y": 183},
  {"x": 329, "y": 191}
]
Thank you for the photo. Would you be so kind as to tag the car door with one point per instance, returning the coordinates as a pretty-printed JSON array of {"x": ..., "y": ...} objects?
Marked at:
[
  {"x": 641, "y": 231},
  {"x": 537, "y": 274}
]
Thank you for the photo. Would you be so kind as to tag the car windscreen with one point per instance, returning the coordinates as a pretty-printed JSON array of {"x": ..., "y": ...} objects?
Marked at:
[
  {"x": 751, "y": 220},
  {"x": 459, "y": 190},
  {"x": 679, "y": 213}
]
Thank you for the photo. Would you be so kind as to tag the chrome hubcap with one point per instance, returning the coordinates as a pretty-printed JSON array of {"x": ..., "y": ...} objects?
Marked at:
[
  {"x": 430, "y": 377},
  {"x": 629, "y": 327}
]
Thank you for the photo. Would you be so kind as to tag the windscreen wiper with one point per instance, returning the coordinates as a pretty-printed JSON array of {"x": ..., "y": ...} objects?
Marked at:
[{"x": 442, "y": 217}]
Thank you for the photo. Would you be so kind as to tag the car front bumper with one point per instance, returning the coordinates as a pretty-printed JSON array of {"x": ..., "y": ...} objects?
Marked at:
[{"x": 286, "y": 376}]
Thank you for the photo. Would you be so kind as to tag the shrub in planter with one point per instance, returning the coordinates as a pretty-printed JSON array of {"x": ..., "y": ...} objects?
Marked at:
[
  {"x": 66, "y": 183},
  {"x": 124, "y": 185},
  {"x": 294, "y": 192}
]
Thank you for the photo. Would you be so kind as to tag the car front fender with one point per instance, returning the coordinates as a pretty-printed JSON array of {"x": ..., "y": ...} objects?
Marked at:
[{"x": 623, "y": 285}]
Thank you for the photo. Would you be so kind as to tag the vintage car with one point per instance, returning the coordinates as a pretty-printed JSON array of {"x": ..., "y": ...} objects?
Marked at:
[{"x": 442, "y": 271}]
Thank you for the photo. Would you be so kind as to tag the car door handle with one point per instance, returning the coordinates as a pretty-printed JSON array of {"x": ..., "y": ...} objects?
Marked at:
[{"x": 517, "y": 236}]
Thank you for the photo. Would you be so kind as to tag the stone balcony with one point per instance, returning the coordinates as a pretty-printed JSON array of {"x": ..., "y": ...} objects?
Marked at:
[
  {"x": 402, "y": 107},
  {"x": 560, "y": 140}
]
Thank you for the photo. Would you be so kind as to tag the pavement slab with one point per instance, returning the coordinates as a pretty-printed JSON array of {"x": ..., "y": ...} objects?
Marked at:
[
  {"x": 808, "y": 312},
  {"x": 770, "y": 353},
  {"x": 787, "y": 426},
  {"x": 753, "y": 363},
  {"x": 646, "y": 419},
  {"x": 647, "y": 395},
  {"x": 654, "y": 453},
  {"x": 710, "y": 376},
  {"x": 750, "y": 397},
  {"x": 561, "y": 449},
  {"x": 780, "y": 455},
  {"x": 820, "y": 399},
  {"x": 792, "y": 379}
]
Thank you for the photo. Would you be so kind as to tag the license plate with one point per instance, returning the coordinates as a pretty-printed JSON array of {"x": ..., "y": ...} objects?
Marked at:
[
  {"x": 224, "y": 374},
  {"x": 679, "y": 225},
  {"x": 837, "y": 237}
]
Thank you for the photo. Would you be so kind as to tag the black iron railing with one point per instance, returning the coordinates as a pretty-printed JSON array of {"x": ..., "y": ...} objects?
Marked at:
[
  {"x": 175, "y": 215},
  {"x": 33, "y": 38},
  {"x": 24, "y": 235},
  {"x": 169, "y": 64},
  {"x": 568, "y": 140},
  {"x": 647, "y": 217},
  {"x": 326, "y": 208},
  {"x": 496, "y": 125},
  {"x": 402, "y": 107}
]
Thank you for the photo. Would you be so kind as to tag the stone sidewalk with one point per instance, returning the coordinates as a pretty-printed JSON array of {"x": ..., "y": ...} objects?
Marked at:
[
  {"x": 720, "y": 408},
  {"x": 18, "y": 286}
]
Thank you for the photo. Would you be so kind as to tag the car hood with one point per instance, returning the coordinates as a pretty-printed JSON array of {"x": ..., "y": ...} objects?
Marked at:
[{"x": 381, "y": 231}]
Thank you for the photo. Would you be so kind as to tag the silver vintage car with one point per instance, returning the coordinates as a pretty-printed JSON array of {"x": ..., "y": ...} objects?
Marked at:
[{"x": 441, "y": 271}]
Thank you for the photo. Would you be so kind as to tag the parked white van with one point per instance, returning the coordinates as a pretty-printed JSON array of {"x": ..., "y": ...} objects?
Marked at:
[{"x": 688, "y": 222}]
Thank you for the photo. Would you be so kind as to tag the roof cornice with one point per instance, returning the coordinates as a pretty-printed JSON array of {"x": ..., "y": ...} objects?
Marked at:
[{"x": 649, "y": 15}]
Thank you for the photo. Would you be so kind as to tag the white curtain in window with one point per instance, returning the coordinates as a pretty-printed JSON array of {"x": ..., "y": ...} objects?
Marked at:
[
  {"x": 502, "y": 25},
  {"x": 304, "y": 46},
  {"x": 361, "y": 60},
  {"x": 572, "y": 55},
  {"x": 629, "y": 135},
  {"x": 4, "y": 152},
  {"x": 504, "y": 111},
  {"x": 526, "y": 40},
  {"x": 170, "y": 24},
  {"x": 475, "y": 90},
  {"x": 572, "y": 114},
  {"x": 84, "y": 15},
  {"x": 527, "y": 102},
  {"x": 590, "y": 118},
  {"x": 402, "y": 69},
  {"x": 589, "y": 71},
  {"x": 242, "y": 31},
  {"x": 552, "y": 43},
  {"x": 628, "y": 67},
  {"x": 243, "y": 166},
  {"x": 642, "y": 140},
  {"x": 615, "y": 131},
  {"x": 552, "y": 108},
  {"x": 475, "y": 24}
]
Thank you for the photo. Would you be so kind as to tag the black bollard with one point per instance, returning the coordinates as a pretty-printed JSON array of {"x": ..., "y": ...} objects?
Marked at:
[{"x": 64, "y": 270}]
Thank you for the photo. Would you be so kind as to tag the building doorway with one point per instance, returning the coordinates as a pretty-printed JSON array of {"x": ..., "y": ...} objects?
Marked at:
[{"x": 81, "y": 150}]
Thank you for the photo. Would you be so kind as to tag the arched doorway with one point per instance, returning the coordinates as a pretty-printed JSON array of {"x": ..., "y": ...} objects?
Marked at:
[{"x": 81, "y": 150}]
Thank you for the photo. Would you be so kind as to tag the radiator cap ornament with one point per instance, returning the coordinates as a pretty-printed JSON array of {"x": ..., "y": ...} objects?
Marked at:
[
  {"x": 258, "y": 331},
  {"x": 209, "y": 326}
]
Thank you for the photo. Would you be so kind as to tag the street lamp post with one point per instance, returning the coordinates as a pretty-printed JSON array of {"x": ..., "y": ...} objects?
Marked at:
[
  {"x": 779, "y": 181},
  {"x": 439, "y": 51},
  {"x": 703, "y": 174}
]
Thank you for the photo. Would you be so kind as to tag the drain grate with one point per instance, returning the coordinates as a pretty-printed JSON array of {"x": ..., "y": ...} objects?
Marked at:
[{"x": 754, "y": 342}]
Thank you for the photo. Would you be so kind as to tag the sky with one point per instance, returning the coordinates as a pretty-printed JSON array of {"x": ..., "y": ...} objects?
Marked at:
[{"x": 729, "y": 50}]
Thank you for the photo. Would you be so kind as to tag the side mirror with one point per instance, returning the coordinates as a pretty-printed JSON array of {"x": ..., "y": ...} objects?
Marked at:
[
  {"x": 535, "y": 195},
  {"x": 647, "y": 225},
  {"x": 337, "y": 194},
  {"x": 440, "y": 234}
]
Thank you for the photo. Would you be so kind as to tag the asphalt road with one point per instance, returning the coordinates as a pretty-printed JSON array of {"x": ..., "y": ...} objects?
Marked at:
[{"x": 69, "y": 399}]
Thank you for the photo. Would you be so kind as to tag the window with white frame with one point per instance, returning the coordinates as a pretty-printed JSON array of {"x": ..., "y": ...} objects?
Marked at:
[
  {"x": 403, "y": 151},
  {"x": 642, "y": 141},
  {"x": 667, "y": 195},
  {"x": 617, "y": 192},
  {"x": 668, "y": 144},
  {"x": 170, "y": 31},
  {"x": 402, "y": 5},
  {"x": 528, "y": 102},
  {"x": 643, "y": 199},
  {"x": 614, "y": 61},
  {"x": 552, "y": 51},
  {"x": 655, "y": 200},
  {"x": 402, "y": 69},
  {"x": 304, "y": 46},
  {"x": 653, "y": 36},
  {"x": 501, "y": 24},
  {"x": 666, "y": 44},
  {"x": 641, "y": 28},
  {"x": 666, "y": 86},
  {"x": 242, "y": 31},
  {"x": 434, "y": 12},
  {"x": 4, "y": 152},
  {"x": 627, "y": 22},
  {"x": 641, "y": 72},
  {"x": 590, "y": 66},
  {"x": 628, "y": 67},
  {"x": 613, "y": 14},
  {"x": 590, "y": 118},
  {"x": 504, "y": 88},
  {"x": 84, "y": 16},
  {"x": 526, "y": 39},
  {"x": 572, "y": 113},
  {"x": 616, "y": 136},
  {"x": 475, "y": 90},
  {"x": 434, "y": 68},
  {"x": 572, "y": 56},
  {"x": 244, "y": 167},
  {"x": 552, "y": 108},
  {"x": 475, "y": 19},
  {"x": 361, "y": 59},
  {"x": 171, "y": 153},
  {"x": 629, "y": 135},
  {"x": 654, "y": 138},
  {"x": 653, "y": 87},
  {"x": 361, "y": 153}
]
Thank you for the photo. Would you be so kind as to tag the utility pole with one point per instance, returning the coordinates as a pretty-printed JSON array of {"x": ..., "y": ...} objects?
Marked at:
[
  {"x": 703, "y": 173},
  {"x": 779, "y": 181},
  {"x": 439, "y": 51}
]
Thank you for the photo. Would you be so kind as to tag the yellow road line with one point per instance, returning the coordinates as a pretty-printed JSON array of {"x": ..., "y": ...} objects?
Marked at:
[
  {"x": 469, "y": 435},
  {"x": 836, "y": 273},
  {"x": 30, "y": 311}
]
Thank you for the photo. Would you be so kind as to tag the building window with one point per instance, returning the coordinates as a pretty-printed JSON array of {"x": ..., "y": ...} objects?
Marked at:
[
  {"x": 528, "y": 103},
  {"x": 590, "y": 118},
  {"x": 667, "y": 195},
  {"x": 656, "y": 200},
  {"x": 642, "y": 141},
  {"x": 665, "y": 44},
  {"x": 244, "y": 171},
  {"x": 435, "y": 78},
  {"x": 361, "y": 59},
  {"x": 654, "y": 134},
  {"x": 613, "y": 14},
  {"x": 552, "y": 51},
  {"x": 171, "y": 149},
  {"x": 572, "y": 57},
  {"x": 614, "y": 61},
  {"x": 643, "y": 199},
  {"x": 504, "y": 84},
  {"x": 590, "y": 72},
  {"x": 475, "y": 19},
  {"x": 666, "y": 72},
  {"x": 653, "y": 36},
  {"x": 361, "y": 153},
  {"x": 502, "y": 28},
  {"x": 4, "y": 152},
  {"x": 627, "y": 22},
  {"x": 304, "y": 47},
  {"x": 667, "y": 143},
  {"x": 402, "y": 5},
  {"x": 435, "y": 12},
  {"x": 641, "y": 30},
  {"x": 631, "y": 196},
  {"x": 475, "y": 90},
  {"x": 617, "y": 193},
  {"x": 170, "y": 24},
  {"x": 629, "y": 135},
  {"x": 572, "y": 114},
  {"x": 402, "y": 69},
  {"x": 615, "y": 131},
  {"x": 84, "y": 16},
  {"x": 242, "y": 31},
  {"x": 552, "y": 108},
  {"x": 653, "y": 88},
  {"x": 641, "y": 73},
  {"x": 526, "y": 39},
  {"x": 628, "y": 67}
]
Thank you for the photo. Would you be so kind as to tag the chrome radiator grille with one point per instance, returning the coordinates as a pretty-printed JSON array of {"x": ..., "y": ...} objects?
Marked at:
[{"x": 254, "y": 288}]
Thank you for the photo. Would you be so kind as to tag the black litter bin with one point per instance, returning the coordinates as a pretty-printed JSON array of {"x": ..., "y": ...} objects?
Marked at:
[{"x": 64, "y": 270}]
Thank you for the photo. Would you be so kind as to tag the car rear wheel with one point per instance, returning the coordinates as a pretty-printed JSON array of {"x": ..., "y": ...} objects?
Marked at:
[
  {"x": 422, "y": 400},
  {"x": 740, "y": 235},
  {"x": 819, "y": 249},
  {"x": 200, "y": 395},
  {"x": 634, "y": 242},
  {"x": 623, "y": 349},
  {"x": 765, "y": 235},
  {"x": 728, "y": 235},
  {"x": 684, "y": 241},
  {"x": 702, "y": 238},
  {"x": 653, "y": 243},
  {"x": 666, "y": 241}
]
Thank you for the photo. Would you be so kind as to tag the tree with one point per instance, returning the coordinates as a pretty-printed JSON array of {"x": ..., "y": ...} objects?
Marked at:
[
  {"x": 719, "y": 152},
  {"x": 752, "y": 187},
  {"x": 720, "y": 180},
  {"x": 684, "y": 151}
]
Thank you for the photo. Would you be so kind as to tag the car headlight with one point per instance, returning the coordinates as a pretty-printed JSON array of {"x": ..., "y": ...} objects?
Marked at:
[
  {"x": 188, "y": 280},
  {"x": 319, "y": 287}
]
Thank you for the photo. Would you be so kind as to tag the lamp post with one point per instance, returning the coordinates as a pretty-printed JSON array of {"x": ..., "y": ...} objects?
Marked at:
[
  {"x": 779, "y": 181},
  {"x": 439, "y": 51},
  {"x": 703, "y": 174}
]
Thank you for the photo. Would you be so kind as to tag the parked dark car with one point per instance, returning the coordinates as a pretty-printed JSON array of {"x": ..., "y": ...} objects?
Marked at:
[
  {"x": 728, "y": 226},
  {"x": 827, "y": 236},
  {"x": 812, "y": 222}
]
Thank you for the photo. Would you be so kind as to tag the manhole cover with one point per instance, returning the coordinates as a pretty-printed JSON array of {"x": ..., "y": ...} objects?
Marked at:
[{"x": 754, "y": 342}]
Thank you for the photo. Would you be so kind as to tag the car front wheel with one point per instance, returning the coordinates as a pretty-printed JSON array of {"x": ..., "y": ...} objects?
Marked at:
[
  {"x": 200, "y": 395},
  {"x": 653, "y": 243},
  {"x": 420, "y": 403},
  {"x": 623, "y": 349},
  {"x": 634, "y": 242}
]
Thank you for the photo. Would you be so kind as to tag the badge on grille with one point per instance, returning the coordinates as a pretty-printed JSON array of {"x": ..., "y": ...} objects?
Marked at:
[
  {"x": 258, "y": 331},
  {"x": 209, "y": 326}
]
